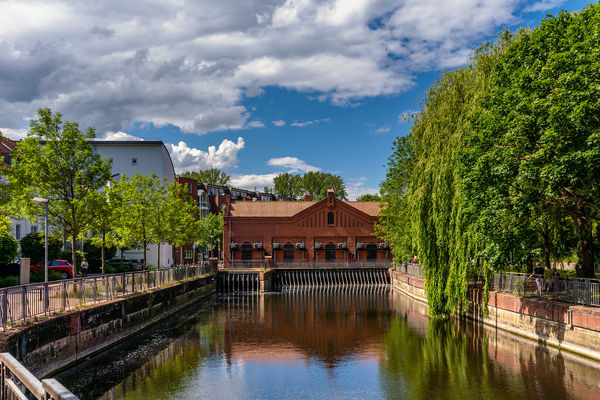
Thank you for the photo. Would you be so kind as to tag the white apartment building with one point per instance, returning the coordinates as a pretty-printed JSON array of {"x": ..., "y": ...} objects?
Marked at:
[{"x": 143, "y": 158}]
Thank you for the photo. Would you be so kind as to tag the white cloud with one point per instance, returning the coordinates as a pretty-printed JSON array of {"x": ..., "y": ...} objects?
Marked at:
[
  {"x": 381, "y": 130},
  {"x": 119, "y": 136},
  {"x": 191, "y": 63},
  {"x": 543, "y": 5},
  {"x": 278, "y": 122},
  {"x": 256, "y": 124},
  {"x": 355, "y": 188},
  {"x": 292, "y": 163},
  {"x": 252, "y": 181},
  {"x": 14, "y": 134},
  {"x": 406, "y": 116},
  {"x": 302, "y": 124},
  {"x": 188, "y": 158}
]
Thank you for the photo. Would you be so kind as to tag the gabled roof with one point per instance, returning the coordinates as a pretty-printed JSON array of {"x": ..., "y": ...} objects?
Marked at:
[
  {"x": 290, "y": 208},
  {"x": 268, "y": 208},
  {"x": 7, "y": 145}
]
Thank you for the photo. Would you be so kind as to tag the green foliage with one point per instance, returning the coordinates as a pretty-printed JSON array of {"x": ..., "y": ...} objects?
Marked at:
[
  {"x": 210, "y": 231},
  {"x": 211, "y": 176},
  {"x": 314, "y": 183},
  {"x": 93, "y": 251},
  {"x": 66, "y": 255},
  {"x": 288, "y": 185},
  {"x": 32, "y": 247},
  {"x": 369, "y": 197},
  {"x": 9, "y": 281},
  {"x": 57, "y": 162},
  {"x": 8, "y": 248},
  {"x": 502, "y": 164},
  {"x": 38, "y": 276}
]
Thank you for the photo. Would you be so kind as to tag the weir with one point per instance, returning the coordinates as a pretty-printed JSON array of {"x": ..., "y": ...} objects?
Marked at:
[{"x": 279, "y": 279}]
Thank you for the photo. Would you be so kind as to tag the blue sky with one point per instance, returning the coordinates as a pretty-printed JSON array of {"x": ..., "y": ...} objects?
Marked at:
[{"x": 255, "y": 88}]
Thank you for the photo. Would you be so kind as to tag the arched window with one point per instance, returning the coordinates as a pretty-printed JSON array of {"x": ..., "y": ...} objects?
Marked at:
[
  {"x": 330, "y": 252},
  {"x": 371, "y": 252},
  {"x": 288, "y": 252},
  {"x": 330, "y": 218},
  {"x": 246, "y": 251}
]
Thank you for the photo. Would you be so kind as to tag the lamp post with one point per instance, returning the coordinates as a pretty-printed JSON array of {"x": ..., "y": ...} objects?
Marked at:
[{"x": 41, "y": 200}]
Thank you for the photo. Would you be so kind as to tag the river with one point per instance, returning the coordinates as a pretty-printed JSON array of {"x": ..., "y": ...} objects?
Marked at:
[{"x": 328, "y": 344}]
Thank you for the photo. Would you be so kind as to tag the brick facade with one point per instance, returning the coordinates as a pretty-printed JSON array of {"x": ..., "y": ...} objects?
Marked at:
[{"x": 305, "y": 231}]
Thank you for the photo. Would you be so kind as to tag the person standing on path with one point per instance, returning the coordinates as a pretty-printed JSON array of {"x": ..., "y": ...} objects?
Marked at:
[
  {"x": 539, "y": 278},
  {"x": 84, "y": 267}
]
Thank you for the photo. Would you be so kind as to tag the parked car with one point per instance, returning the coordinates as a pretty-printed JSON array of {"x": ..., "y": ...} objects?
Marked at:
[{"x": 63, "y": 267}]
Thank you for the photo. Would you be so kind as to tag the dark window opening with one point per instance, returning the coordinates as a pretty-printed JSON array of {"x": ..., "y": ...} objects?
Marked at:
[
  {"x": 371, "y": 252},
  {"x": 288, "y": 252},
  {"x": 330, "y": 252},
  {"x": 246, "y": 252},
  {"x": 330, "y": 218}
]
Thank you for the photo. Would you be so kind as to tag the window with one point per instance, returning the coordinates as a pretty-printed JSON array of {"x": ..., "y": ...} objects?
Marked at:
[
  {"x": 371, "y": 252},
  {"x": 18, "y": 232},
  {"x": 288, "y": 252},
  {"x": 34, "y": 229},
  {"x": 329, "y": 218},
  {"x": 134, "y": 161},
  {"x": 246, "y": 251},
  {"x": 330, "y": 251},
  {"x": 187, "y": 254}
]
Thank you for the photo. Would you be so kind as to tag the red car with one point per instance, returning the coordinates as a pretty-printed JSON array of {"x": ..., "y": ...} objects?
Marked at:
[{"x": 63, "y": 267}]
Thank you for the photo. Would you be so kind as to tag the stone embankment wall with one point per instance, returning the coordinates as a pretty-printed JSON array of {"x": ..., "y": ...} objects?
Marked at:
[
  {"x": 58, "y": 342},
  {"x": 566, "y": 326}
]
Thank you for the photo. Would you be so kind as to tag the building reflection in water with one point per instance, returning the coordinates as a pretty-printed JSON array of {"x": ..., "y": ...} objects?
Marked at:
[{"x": 328, "y": 340}]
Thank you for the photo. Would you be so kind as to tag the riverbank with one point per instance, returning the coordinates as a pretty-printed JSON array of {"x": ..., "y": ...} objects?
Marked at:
[
  {"x": 565, "y": 326},
  {"x": 61, "y": 341}
]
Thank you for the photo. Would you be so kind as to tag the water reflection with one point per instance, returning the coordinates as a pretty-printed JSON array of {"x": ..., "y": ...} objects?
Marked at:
[{"x": 328, "y": 344}]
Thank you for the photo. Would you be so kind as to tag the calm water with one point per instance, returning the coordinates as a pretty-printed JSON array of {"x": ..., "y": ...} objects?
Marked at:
[{"x": 335, "y": 344}]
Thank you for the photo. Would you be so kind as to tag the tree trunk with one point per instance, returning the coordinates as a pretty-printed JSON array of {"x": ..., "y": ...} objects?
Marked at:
[
  {"x": 585, "y": 267},
  {"x": 74, "y": 255},
  {"x": 181, "y": 255},
  {"x": 144, "y": 243},
  {"x": 103, "y": 246},
  {"x": 546, "y": 236}
]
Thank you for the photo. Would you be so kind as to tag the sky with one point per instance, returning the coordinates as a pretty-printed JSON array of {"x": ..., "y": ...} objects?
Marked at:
[{"x": 255, "y": 88}]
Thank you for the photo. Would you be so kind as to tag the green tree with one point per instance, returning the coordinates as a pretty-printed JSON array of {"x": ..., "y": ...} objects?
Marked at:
[
  {"x": 210, "y": 231},
  {"x": 184, "y": 225},
  {"x": 317, "y": 183},
  {"x": 57, "y": 162},
  {"x": 8, "y": 248},
  {"x": 288, "y": 185},
  {"x": 541, "y": 120},
  {"x": 211, "y": 176},
  {"x": 135, "y": 215},
  {"x": 369, "y": 197},
  {"x": 33, "y": 246},
  {"x": 105, "y": 204}
]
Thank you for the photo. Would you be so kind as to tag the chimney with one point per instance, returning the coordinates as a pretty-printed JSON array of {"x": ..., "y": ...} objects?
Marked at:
[
  {"x": 330, "y": 193},
  {"x": 306, "y": 197}
]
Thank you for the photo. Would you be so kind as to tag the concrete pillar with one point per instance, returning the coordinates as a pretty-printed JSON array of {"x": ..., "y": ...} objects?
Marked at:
[
  {"x": 24, "y": 271},
  {"x": 265, "y": 281}
]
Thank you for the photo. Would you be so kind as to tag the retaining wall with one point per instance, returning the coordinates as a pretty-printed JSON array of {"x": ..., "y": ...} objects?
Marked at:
[
  {"x": 566, "y": 326},
  {"x": 58, "y": 342}
]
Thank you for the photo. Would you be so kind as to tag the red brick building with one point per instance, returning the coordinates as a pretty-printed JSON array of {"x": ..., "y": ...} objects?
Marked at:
[{"x": 302, "y": 231}]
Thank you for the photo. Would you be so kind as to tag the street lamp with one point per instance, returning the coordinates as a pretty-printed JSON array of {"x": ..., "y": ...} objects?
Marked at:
[{"x": 41, "y": 200}]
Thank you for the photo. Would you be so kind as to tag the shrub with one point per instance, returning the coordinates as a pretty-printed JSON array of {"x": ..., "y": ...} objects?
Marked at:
[
  {"x": 32, "y": 246},
  {"x": 93, "y": 252},
  {"x": 8, "y": 249},
  {"x": 38, "y": 276},
  {"x": 9, "y": 281},
  {"x": 109, "y": 269}
]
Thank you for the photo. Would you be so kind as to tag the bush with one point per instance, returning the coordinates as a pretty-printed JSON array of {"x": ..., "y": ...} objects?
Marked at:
[
  {"x": 32, "y": 246},
  {"x": 93, "y": 252},
  {"x": 38, "y": 276},
  {"x": 109, "y": 269},
  {"x": 9, "y": 281},
  {"x": 8, "y": 249}
]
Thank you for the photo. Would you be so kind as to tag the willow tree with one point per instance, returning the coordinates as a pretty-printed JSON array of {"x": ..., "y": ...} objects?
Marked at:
[{"x": 426, "y": 210}]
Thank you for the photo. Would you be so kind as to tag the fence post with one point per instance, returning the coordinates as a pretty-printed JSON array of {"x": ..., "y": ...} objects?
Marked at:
[
  {"x": 46, "y": 298},
  {"x": 4, "y": 307},
  {"x": 123, "y": 288},
  {"x": 24, "y": 302}
]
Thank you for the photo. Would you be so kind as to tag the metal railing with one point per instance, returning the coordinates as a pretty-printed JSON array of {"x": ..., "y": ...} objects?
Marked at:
[
  {"x": 17, "y": 383},
  {"x": 305, "y": 264},
  {"x": 410, "y": 269},
  {"x": 18, "y": 303},
  {"x": 573, "y": 290}
]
